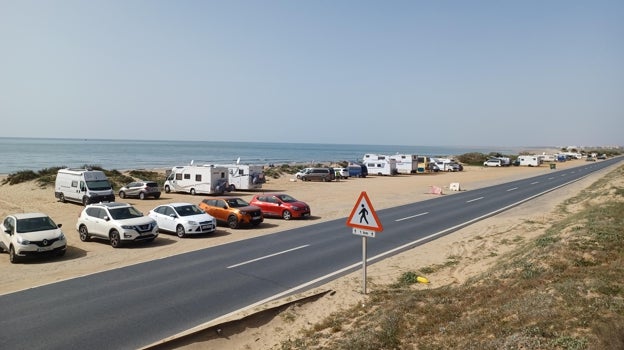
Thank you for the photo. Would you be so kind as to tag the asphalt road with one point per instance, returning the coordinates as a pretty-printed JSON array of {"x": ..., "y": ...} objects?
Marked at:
[{"x": 135, "y": 306}]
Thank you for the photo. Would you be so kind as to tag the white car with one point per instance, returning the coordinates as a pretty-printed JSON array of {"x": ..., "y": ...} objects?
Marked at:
[
  {"x": 115, "y": 222},
  {"x": 302, "y": 172},
  {"x": 493, "y": 162},
  {"x": 31, "y": 234},
  {"x": 183, "y": 219},
  {"x": 342, "y": 173}
]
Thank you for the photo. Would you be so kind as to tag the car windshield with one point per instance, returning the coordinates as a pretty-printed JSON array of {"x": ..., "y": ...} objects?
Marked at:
[
  {"x": 236, "y": 202},
  {"x": 286, "y": 198},
  {"x": 188, "y": 210},
  {"x": 125, "y": 213},
  {"x": 35, "y": 224},
  {"x": 99, "y": 185}
]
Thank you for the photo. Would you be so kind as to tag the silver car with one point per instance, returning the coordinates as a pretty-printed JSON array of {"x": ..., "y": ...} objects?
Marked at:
[
  {"x": 140, "y": 189},
  {"x": 183, "y": 219}
]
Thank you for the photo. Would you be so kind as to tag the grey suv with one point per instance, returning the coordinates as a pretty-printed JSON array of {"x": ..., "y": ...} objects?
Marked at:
[
  {"x": 140, "y": 189},
  {"x": 319, "y": 174},
  {"x": 115, "y": 222}
]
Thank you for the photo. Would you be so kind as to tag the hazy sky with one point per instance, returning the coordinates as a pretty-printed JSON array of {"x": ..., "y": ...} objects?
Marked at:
[{"x": 473, "y": 73}]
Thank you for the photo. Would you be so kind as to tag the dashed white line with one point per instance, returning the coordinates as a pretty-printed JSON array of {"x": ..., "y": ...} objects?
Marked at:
[
  {"x": 512, "y": 189},
  {"x": 413, "y": 216},
  {"x": 550, "y": 178},
  {"x": 474, "y": 200},
  {"x": 533, "y": 183},
  {"x": 267, "y": 256}
]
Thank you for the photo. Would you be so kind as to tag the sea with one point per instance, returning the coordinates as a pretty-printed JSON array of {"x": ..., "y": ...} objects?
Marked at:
[{"x": 17, "y": 154}]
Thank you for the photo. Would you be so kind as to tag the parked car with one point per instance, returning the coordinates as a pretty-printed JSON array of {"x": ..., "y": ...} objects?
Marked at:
[
  {"x": 31, "y": 234},
  {"x": 319, "y": 174},
  {"x": 115, "y": 222},
  {"x": 280, "y": 205},
  {"x": 342, "y": 173},
  {"x": 602, "y": 156},
  {"x": 493, "y": 162},
  {"x": 233, "y": 211},
  {"x": 456, "y": 166},
  {"x": 302, "y": 172},
  {"x": 183, "y": 219},
  {"x": 140, "y": 189}
]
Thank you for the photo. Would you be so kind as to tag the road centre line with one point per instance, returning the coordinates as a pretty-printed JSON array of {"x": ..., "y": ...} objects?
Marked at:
[
  {"x": 512, "y": 189},
  {"x": 550, "y": 178},
  {"x": 533, "y": 183},
  {"x": 474, "y": 200},
  {"x": 413, "y": 216},
  {"x": 267, "y": 256}
]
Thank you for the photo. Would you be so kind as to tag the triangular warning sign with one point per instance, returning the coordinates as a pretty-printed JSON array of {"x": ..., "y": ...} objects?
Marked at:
[{"x": 363, "y": 215}]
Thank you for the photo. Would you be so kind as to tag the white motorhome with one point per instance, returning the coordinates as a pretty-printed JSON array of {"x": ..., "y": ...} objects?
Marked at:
[
  {"x": 378, "y": 164},
  {"x": 194, "y": 179},
  {"x": 443, "y": 164},
  {"x": 528, "y": 160},
  {"x": 84, "y": 186},
  {"x": 244, "y": 177},
  {"x": 406, "y": 163}
]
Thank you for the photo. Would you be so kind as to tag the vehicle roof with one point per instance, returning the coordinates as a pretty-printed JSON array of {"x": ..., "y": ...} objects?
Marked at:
[
  {"x": 110, "y": 204},
  {"x": 20, "y": 216},
  {"x": 223, "y": 197},
  {"x": 177, "y": 204}
]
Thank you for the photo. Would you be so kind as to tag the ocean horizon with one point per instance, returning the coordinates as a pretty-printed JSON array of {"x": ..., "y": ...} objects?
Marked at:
[{"x": 18, "y": 154}]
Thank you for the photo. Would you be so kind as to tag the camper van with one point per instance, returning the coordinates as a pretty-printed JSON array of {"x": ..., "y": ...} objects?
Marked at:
[
  {"x": 357, "y": 170},
  {"x": 194, "y": 179},
  {"x": 406, "y": 163},
  {"x": 245, "y": 177},
  {"x": 528, "y": 160},
  {"x": 84, "y": 186},
  {"x": 380, "y": 164},
  {"x": 423, "y": 164}
]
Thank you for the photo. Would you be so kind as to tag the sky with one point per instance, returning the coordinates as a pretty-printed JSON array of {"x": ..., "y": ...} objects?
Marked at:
[{"x": 435, "y": 73}]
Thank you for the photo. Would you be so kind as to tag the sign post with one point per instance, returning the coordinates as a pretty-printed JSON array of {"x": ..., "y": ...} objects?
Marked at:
[{"x": 365, "y": 223}]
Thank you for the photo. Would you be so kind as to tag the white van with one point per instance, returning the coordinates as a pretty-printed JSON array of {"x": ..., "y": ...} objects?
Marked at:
[
  {"x": 528, "y": 160},
  {"x": 84, "y": 186}
]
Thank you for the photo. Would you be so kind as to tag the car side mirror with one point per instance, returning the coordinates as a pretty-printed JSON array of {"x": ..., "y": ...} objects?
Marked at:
[
  {"x": 106, "y": 218},
  {"x": 59, "y": 225},
  {"x": 6, "y": 230},
  {"x": 225, "y": 207},
  {"x": 172, "y": 216}
]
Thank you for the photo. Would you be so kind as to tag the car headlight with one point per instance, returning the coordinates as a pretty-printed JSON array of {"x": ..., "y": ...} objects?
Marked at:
[
  {"x": 127, "y": 227},
  {"x": 294, "y": 207},
  {"x": 193, "y": 223},
  {"x": 22, "y": 240},
  {"x": 62, "y": 236}
]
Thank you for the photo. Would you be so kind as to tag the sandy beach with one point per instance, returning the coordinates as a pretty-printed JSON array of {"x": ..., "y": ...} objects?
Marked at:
[{"x": 328, "y": 201}]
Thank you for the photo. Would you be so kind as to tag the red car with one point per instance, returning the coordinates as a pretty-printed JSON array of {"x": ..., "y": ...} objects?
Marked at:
[{"x": 280, "y": 205}]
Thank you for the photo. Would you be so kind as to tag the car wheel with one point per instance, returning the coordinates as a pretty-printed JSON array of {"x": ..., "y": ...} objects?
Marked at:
[
  {"x": 122, "y": 194},
  {"x": 84, "y": 233},
  {"x": 167, "y": 189},
  {"x": 180, "y": 231},
  {"x": 142, "y": 195},
  {"x": 156, "y": 196},
  {"x": 13, "y": 258},
  {"x": 62, "y": 198},
  {"x": 233, "y": 222},
  {"x": 85, "y": 200},
  {"x": 115, "y": 239},
  {"x": 286, "y": 215},
  {"x": 192, "y": 191}
]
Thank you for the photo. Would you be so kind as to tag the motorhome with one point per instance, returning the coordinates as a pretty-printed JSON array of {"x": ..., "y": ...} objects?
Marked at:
[
  {"x": 528, "y": 160},
  {"x": 406, "y": 163},
  {"x": 244, "y": 177},
  {"x": 84, "y": 186},
  {"x": 380, "y": 164},
  {"x": 443, "y": 164},
  {"x": 197, "y": 179}
]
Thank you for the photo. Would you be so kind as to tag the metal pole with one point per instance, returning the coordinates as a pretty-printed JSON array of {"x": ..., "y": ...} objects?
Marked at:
[{"x": 364, "y": 264}]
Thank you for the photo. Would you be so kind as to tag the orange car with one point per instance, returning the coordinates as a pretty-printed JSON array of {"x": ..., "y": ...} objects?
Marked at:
[{"x": 232, "y": 211}]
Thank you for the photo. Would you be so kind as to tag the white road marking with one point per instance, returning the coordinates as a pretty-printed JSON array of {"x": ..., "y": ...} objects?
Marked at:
[
  {"x": 512, "y": 189},
  {"x": 413, "y": 216},
  {"x": 474, "y": 200},
  {"x": 267, "y": 256},
  {"x": 533, "y": 183}
]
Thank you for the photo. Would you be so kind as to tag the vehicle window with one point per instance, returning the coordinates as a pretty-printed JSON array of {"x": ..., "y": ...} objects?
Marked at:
[
  {"x": 151, "y": 184},
  {"x": 168, "y": 211},
  {"x": 286, "y": 198},
  {"x": 188, "y": 210},
  {"x": 92, "y": 212},
  {"x": 198, "y": 177},
  {"x": 179, "y": 176},
  {"x": 237, "y": 203},
  {"x": 219, "y": 203},
  {"x": 124, "y": 213},
  {"x": 99, "y": 185},
  {"x": 74, "y": 183},
  {"x": 35, "y": 224},
  {"x": 187, "y": 176},
  {"x": 160, "y": 210}
]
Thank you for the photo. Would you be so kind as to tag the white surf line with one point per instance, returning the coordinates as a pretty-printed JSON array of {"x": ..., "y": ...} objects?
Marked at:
[
  {"x": 512, "y": 189},
  {"x": 267, "y": 256},
  {"x": 533, "y": 183},
  {"x": 218, "y": 320},
  {"x": 413, "y": 216},
  {"x": 474, "y": 200}
]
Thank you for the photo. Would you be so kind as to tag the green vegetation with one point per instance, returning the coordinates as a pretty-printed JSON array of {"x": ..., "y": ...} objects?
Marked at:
[{"x": 563, "y": 290}]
